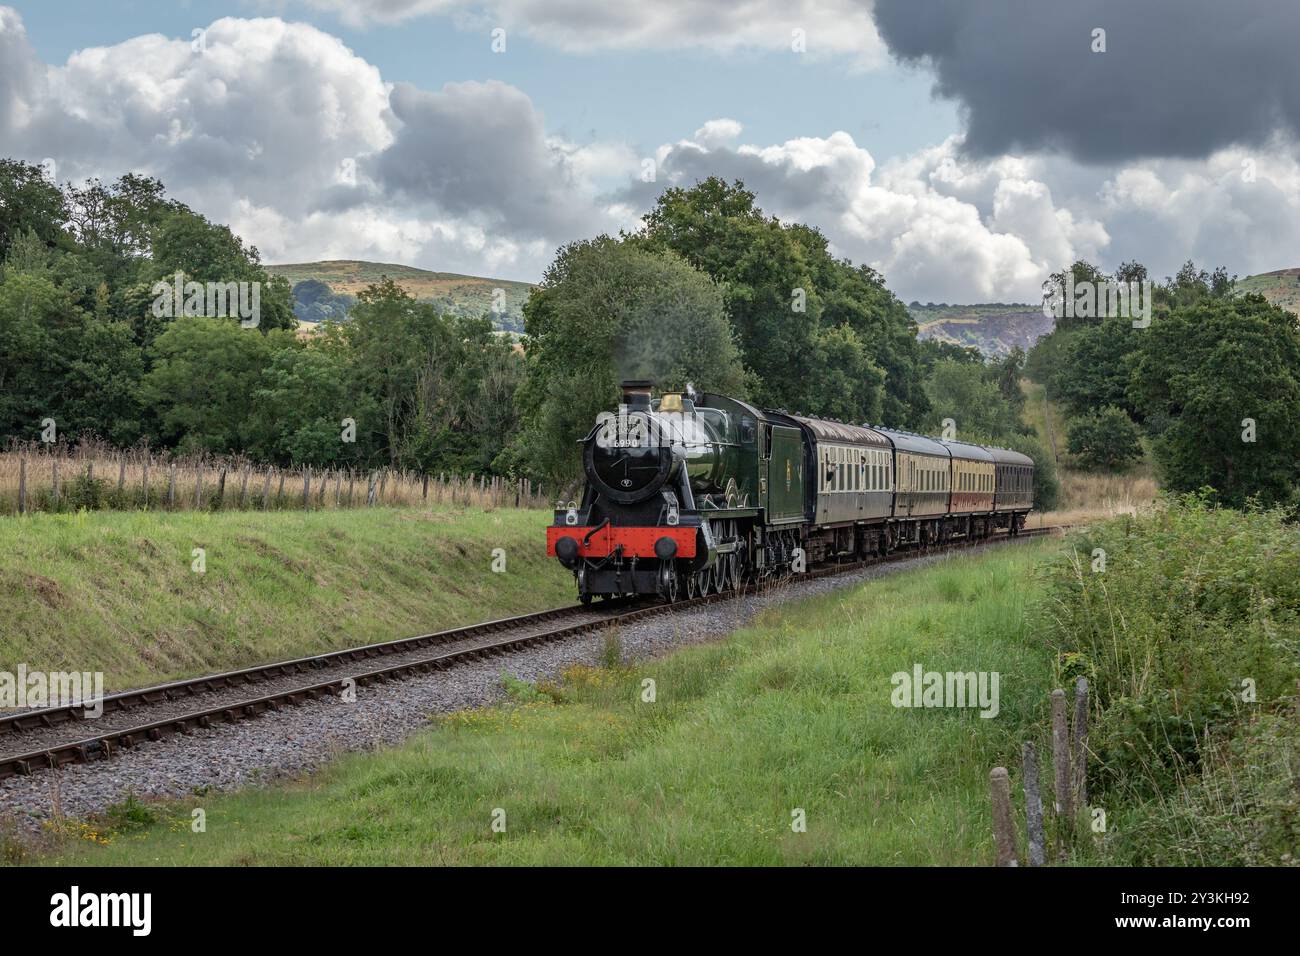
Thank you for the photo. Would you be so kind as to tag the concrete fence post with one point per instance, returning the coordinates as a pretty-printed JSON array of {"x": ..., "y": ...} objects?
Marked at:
[
  {"x": 1061, "y": 770},
  {"x": 1033, "y": 807},
  {"x": 1080, "y": 749},
  {"x": 1004, "y": 828}
]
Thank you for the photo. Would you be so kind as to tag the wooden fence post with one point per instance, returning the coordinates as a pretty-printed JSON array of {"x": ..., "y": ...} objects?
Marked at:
[
  {"x": 198, "y": 486},
  {"x": 22, "y": 485},
  {"x": 144, "y": 479},
  {"x": 266, "y": 489},
  {"x": 279, "y": 491},
  {"x": 370, "y": 491},
  {"x": 1080, "y": 755},
  {"x": 121, "y": 474},
  {"x": 1004, "y": 828},
  {"x": 1033, "y": 806},
  {"x": 171, "y": 487},
  {"x": 424, "y": 488},
  {"x": 221, "y": 488},
  {"x": 243, "y": 488},
  {"x": 55, "y": 468},
  {"x": 352, "y": 478},
  {"x": 306, "y": 487}
]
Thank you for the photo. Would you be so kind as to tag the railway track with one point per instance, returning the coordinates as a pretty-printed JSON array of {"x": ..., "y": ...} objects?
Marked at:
[{"x": 52, "y": 737}]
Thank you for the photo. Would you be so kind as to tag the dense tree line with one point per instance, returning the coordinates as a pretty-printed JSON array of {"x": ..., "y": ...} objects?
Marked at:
[
  {"x": 709, "y": 292},
  {"x": 1212, "y": 382},
  {"x": 85, "y": 343}
]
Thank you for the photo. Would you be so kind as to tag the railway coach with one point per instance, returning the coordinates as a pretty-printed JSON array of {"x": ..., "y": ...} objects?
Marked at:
[{"x": 688, "y": 495}]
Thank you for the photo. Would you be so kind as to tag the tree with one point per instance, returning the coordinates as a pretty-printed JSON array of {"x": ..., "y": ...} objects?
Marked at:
[
  {"x": 969, "y": 395},
  {"x": 605, "y": 311},
  {"x": 1224, "y": 374},
  {"x": 1058, "y": 286},
  {"x": 205, "y": 373},
  {"x": 201, "y": 251},
  {"x": 1105, "y": 440},
  {"x": 29, "y": 202},
  {"x": 1096, "y": 366},
  {"x": 304, "y": 396},
  {"x": 59, "y": 361},
  {"x": 784, "y": 294}
]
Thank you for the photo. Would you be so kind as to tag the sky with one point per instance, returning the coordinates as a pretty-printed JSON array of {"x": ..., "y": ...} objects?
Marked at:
[{"x": 964, "y": 148}]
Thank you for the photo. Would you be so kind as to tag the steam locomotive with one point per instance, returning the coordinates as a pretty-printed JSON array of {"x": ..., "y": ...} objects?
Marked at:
[{"x": 692, "y": 495}]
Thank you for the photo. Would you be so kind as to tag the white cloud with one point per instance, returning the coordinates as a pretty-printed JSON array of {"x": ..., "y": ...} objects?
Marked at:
[
  {"x": 829, "y": 27},
  {"x": 718, "y": 131},
  {"x": 995, "y": 241}
]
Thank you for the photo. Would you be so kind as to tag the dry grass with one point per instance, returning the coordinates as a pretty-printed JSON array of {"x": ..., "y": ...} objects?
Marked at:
[
  {"x": 1090, "y": 497},
  {"x": 95, "y": 476}
]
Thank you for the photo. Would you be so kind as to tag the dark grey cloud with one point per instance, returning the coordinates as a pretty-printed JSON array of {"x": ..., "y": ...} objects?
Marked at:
[
  {"x": 781, "y": 187},
  {"x": 1179, "y": 78},
  {"x": 480, "y": 149}
]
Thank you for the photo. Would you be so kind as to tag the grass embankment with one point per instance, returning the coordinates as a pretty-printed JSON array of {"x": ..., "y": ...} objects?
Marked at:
[
  {"x": 116, "y": 592},
  {"x": 791, "y": 713}
]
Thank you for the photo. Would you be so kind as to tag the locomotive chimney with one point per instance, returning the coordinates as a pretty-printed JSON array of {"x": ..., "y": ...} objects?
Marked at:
[{"x": 636, "y": 394}]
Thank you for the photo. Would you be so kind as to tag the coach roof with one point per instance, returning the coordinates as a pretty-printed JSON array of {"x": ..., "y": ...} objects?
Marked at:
[
  {"x": 961, "y": 449},
  {"x": 906, "y": 441},
  {"x": 840, "y": 432},
  {"x": 1005, "y": 456}
]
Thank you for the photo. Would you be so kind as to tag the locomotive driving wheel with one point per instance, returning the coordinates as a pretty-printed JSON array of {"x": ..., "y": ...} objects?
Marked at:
[{"x": 692, "y": 586}]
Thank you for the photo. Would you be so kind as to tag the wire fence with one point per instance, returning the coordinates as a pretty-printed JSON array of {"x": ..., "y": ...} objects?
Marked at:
[{"x": 38, "y": 477}]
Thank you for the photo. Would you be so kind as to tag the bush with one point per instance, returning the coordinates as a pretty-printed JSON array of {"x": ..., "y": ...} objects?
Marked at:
[
  {"x": 1106, "y": 440},
  {"x": 1187, "y": 623}
]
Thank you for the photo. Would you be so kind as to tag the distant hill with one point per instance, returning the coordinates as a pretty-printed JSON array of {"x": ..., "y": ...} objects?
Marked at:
[
  {"x": 1282, "y": 287},
  {"x": 450, "y": 291},
  {"x": 994, "y": 328}
]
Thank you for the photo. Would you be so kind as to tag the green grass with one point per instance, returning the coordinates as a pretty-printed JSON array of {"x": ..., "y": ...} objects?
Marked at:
[
  {"x": 115, "y": 592},
  {"x": 790, "y": 713}
]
